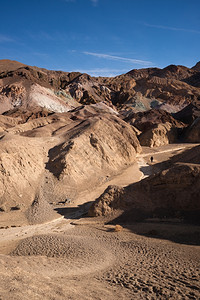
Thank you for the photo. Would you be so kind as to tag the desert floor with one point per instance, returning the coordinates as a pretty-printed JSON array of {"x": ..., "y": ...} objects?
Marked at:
[{"x": 75, "y": 257}]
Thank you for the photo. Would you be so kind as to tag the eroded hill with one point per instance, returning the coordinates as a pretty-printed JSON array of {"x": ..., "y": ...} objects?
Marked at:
[{"x": 55, "y": 157}]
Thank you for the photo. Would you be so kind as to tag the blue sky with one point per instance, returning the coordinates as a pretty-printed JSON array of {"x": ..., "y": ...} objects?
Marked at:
[{"x": 100, "y": 37}]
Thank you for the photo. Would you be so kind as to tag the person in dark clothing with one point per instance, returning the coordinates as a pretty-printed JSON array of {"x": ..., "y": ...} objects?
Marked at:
[{"x": 151, "y": 159}]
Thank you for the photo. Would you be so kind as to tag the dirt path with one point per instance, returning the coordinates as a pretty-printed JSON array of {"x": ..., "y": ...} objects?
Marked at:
[{"x": 159, "y": 154}]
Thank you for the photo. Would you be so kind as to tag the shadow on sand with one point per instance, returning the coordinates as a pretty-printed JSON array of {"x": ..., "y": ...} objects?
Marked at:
[
  {"x": 146, "y": 170},
  {"x": 74, "y": 212},
  {"x": 179, "y": 233},
  {"x": 172, "y": 229},
  {"x": 190, "y": 156}
]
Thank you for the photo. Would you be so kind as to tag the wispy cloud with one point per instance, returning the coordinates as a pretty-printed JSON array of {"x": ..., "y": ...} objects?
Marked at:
[
  {"x": 172, "y": 28},
  {"x": 118, "y": 58},
  {"x": 5, "y": 39},
  {"x": 104, "y": 72}
]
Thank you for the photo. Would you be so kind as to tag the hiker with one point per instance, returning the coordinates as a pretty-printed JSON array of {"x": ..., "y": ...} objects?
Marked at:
[{"x": 151, "y": 159}]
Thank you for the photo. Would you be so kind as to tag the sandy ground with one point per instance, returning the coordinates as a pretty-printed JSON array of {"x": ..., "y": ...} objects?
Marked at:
[{"x": 85, "y": 258}]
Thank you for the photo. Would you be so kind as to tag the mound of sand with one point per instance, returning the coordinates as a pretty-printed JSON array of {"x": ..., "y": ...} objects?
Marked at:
[
  {"x": 61, "y": 246},
  {"x": 40, "y": 211}
]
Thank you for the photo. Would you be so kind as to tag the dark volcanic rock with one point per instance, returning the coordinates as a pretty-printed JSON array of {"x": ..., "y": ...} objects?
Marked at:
[
  {"x": 147, "y": 120},
  {"x": 188, "y": 114},
  {"x": 193, "y": 132},
  {"x": 196, "y": 67}
]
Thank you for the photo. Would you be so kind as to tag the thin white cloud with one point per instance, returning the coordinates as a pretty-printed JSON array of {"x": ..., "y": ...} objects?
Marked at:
[
  {"x": 5, "y": 39},
  {"x": 172, "y": 28},
  {"x": 104, "y": 72},
  {"x": 118, "y": 58}
]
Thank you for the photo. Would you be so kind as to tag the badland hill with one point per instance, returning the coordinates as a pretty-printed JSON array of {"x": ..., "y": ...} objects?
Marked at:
[{"x": 64, "y": 132}]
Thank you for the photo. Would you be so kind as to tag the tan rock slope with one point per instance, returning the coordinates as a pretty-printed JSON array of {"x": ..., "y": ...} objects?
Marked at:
[{"x": 55, "y": 157}]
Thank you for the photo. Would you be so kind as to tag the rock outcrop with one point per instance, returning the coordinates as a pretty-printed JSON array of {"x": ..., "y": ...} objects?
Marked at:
[
  {"x": 188, "y": 114},
  {"x": 157, "y": 127},
  {"x": 161, "y": 134},
  {"x": 172, "y": 193},
  {"x": 196, "y": 67},
  {"x": 149, "y": 119},
  {"x": 25, "y": 87}
]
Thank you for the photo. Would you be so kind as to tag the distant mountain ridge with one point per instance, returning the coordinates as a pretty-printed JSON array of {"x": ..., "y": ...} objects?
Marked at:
[{"x": 171, "y": 88}]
